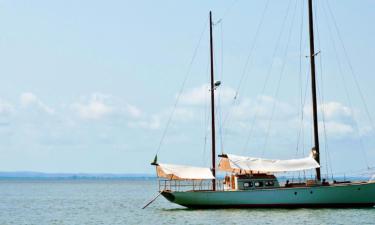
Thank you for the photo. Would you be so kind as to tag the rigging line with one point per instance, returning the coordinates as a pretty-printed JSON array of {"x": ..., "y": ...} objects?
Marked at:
[
  {"x": 267, "y": 75},
  {"x": 206, "y": 112},
  {"x": 222, "y": 50},
  {"x": 302, "y": 125},
  {"x": 300, "y": 69},
  {"x": 303, "y": 107},
  {"x": 349, "y": 101},
  {"x": 218, "y": 107},
  {"x": 320, "y": 89},
  {"x": 322, "y": 111},
  {"x": 347, "y": 92},
  {"x": 219, "y": 115},
  {"x": 279, "y": 81},
  {"x": 327, "y": 151},
  {"x": 220, "y": 95},
  {"x": 300, "y": 78},
  {"x": 354, "y": 75},
  {"x": 301, "y": 133},
  {"x": 182, "y": 88},
  {"x": 249, "y": 56}
]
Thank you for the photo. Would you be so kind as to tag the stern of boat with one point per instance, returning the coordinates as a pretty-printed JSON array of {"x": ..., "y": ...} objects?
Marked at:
[{"x": 168, "y": 195}]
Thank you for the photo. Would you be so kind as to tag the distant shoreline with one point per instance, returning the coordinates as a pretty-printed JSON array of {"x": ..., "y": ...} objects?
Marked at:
[
  {"x": 41, "y": 175},
  {"x": 27, "y": 175}
]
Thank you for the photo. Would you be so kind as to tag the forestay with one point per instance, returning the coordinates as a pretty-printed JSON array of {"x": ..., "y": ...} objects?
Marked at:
[
  {"x": 181, "y": 172},
  {"x": 242, "y": 164}
]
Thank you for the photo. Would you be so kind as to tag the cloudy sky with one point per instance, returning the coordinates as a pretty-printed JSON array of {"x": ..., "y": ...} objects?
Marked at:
[{"x": 88, "y": 86}]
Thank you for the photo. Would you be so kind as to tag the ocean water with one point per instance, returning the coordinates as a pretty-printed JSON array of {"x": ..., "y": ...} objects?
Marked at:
[{"x": 119, "y": 201}]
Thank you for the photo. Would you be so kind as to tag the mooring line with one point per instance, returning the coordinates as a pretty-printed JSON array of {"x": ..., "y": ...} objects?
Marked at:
[{"x": 151, "y": 201}]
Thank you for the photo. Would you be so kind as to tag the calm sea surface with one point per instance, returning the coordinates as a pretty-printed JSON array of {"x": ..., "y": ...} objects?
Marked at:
[{"x": 120, "y": 201}]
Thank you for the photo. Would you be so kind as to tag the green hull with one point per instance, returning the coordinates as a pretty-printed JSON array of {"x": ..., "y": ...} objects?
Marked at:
[{"x": 344, "y": 195}]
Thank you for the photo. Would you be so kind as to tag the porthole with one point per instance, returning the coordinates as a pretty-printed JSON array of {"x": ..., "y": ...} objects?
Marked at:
[
  {"x": 269, "y": 183},
  {"x": 258, "y": 184}
]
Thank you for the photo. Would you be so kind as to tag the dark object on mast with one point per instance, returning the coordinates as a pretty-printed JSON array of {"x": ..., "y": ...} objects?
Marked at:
[
  {"x": 313, "y": 89},
  {"x": 212, "y": 107},
  {"x": 155, "y": 162}
]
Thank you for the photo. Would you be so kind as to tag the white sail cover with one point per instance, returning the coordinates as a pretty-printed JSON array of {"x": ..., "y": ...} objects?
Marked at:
[
  {"x": 243, "y": 164},
  {"x": 180, "y": 172}
]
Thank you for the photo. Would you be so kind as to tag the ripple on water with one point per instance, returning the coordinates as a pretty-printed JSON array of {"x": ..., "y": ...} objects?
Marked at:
[{"x": 120, "y": 201}]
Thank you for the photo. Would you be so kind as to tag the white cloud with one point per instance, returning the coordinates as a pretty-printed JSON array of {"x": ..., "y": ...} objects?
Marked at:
[
  {"x": 337, "y": 129},
  {"x": 184, "y": 114},
  {"x": 5, "y": 108},
  {"x": 226, "y": 94},
  {"x": 331, "y": 110},
  {"x": 339, "y": 120},
  {"x": 133, "y": 111},
  {"x": 198, "y": 96},
  {"x": 155, "y": 121},
  {"x": 195, "y": 96},
  {"x": 262, "y": 108},
  {"x": 335, "y": 110},
  {"x": 243, "y": 110},
  {"x": 93, "y": 109},
  {"x": 98, "y": 106},
  {"x": 201, "y": 95},
  {"x": 29, "y": 99},
  {"x": 152, "y": 123}
]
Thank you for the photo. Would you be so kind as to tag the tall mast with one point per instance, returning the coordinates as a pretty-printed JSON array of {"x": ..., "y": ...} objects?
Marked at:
[
  {"x": 212, "y": 107},
  {"x": 313, "y": 89}
]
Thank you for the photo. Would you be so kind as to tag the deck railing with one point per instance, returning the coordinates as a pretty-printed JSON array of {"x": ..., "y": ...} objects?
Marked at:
[{"x": 188, "y": 185}]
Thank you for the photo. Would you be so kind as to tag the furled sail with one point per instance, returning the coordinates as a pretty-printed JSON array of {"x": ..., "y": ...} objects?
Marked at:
[
  {"x": 243, "y": 164},
  {"x": 181, "y": 172}
]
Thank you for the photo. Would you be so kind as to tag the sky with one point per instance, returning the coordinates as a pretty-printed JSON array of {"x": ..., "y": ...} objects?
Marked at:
[{"x": 89, "y": 86}]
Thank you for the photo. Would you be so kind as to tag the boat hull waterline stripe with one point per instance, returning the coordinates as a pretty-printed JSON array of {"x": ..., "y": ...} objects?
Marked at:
[{"x": 348, "y": 195}]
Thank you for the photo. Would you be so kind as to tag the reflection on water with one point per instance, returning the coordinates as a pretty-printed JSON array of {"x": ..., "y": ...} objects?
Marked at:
[{"x": 120, "y": 202}]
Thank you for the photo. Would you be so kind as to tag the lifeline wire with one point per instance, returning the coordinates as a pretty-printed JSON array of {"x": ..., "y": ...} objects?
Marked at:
[{"x": 182, "y": 88}]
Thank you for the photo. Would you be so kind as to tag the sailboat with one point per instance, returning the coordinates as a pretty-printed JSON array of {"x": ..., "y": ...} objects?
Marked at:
[{"x": 252, "y": 181}]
